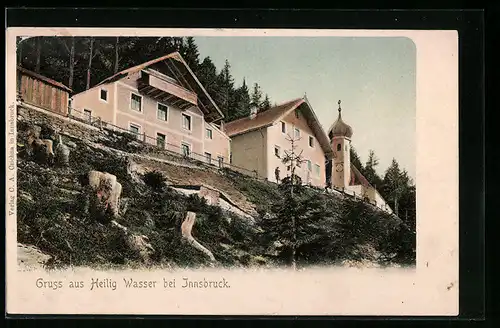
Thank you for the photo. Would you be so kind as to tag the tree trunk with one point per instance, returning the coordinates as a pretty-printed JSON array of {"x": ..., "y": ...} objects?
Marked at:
[
  {"x": 89, "y": 67},
  {"x": 38, "y": 54},
  {"x": 117, "y": 55},
  {"x": 294, "y": 233},
  {"x": 396, "y": 205},
  {"x": 71, "y": 63},
  {"x": 20, "y": 54}
]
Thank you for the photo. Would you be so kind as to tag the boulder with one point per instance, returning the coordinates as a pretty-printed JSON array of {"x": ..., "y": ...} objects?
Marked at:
[
  {"x": 141, "y": 244},
  {"x": 29, "y": 257}
]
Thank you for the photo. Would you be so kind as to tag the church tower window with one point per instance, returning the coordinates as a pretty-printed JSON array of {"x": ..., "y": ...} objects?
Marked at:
[{"x": 339, "y": 147}]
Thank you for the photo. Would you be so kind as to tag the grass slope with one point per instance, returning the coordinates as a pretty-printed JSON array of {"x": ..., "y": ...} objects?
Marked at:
[{"x": 51, "y": 217}]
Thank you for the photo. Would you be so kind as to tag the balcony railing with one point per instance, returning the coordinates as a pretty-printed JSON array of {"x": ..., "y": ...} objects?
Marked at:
[{"x": 166, "y": 91}]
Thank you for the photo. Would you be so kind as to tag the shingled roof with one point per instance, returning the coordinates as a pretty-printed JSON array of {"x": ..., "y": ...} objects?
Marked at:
[
  {"x": 274, "y": 114},
  {"x": 357, "y": 178},
  {"x": 263, "y": 119},
  {"x": 185, "y": 76}
]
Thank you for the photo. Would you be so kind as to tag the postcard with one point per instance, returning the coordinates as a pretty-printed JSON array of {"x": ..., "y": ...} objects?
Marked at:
[{"x": 231, "y": 172}]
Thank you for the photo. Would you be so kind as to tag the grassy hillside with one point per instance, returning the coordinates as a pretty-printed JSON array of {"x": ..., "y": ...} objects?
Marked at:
[{"x": 51, "y": 216}]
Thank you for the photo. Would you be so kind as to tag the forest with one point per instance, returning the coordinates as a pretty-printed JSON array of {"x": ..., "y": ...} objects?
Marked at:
[{"x": 82, "y": 62}]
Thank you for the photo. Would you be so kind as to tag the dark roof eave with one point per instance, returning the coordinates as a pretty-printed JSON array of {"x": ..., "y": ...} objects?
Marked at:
[
  {"x": 177, "y": 57},
  {"x": 319, "y": 131}
]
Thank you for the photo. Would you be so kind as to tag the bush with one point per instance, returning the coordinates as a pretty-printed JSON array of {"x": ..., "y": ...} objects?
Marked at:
[{"x": 155, "y": 180}]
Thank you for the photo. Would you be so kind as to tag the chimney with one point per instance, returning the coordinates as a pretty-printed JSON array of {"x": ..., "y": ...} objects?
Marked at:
[{"x": 253, "y": 111}]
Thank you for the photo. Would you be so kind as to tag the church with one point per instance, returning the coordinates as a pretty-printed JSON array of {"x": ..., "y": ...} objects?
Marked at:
[{"x": 341, "y": 174}]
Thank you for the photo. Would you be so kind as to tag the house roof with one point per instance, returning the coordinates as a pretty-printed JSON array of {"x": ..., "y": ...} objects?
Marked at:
[
  {"x": 262, "y": 119},
  {"x": 178, "y": 67},
  {"x": 43, "y": 78},
  {"x": 274, "y": 114},
  {"x": 357, "y": 178}
]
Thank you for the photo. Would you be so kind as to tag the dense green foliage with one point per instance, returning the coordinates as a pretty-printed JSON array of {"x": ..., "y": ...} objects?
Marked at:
[{"x": 395, "y": 186}]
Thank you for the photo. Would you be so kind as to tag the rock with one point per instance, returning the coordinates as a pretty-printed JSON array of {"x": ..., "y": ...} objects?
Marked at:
[
  {"x": 135, "y": 171},
  {"x": 258, "y": 260},
  {"x": 30, "y": 257},
  {"x": 140, "y": 244}
]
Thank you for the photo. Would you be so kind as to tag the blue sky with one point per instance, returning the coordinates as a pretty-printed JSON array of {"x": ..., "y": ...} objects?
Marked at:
[{"x": 373, "y": 76}]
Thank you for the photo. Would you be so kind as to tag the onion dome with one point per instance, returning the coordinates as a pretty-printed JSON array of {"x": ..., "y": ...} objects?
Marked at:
[{"x": 339, "y": 127}]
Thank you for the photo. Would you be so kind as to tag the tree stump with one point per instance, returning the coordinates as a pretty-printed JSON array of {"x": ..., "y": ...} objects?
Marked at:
[{"x": 186, "y": 228}]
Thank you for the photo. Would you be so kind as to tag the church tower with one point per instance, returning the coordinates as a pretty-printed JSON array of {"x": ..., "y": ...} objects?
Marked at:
[{"x": 340, "y": 140}]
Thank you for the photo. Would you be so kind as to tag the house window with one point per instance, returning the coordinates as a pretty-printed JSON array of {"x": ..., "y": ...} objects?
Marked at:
[
  {"x": 208, "y": 158},
  {"x": 283, "y": 127},
  {"x": 277, "y": 151},
  {"x": 104, "y": 95},
  {"x": 136, "y": 102},
  {"x": 186, "y": 149},
  {"x": 297, "y": 133},
  {"x": 160, "y": 140},
  {"x": 220, "y": 159},
  {"x": 208, "y": 133},
  {"x": 339, "y": 147},
  {"x": 162, "y": 112},
  {"x": 309, "y": 165},
  {"x": 87, "y": 114},
  {"x": 317, "y": 170},
  {"x": 135, "y": 129},
  {"x": 311, "y": 141},
  {"x": 186, "y": 122}
]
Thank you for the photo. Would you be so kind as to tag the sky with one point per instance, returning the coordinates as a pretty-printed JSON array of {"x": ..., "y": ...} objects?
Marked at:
[{"x": 374, "y": 77}]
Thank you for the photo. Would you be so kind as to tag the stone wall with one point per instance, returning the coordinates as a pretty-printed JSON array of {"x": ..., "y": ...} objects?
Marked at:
[
  {"x": 38, "y": 116},
  {"x": 28, "y": 114}
]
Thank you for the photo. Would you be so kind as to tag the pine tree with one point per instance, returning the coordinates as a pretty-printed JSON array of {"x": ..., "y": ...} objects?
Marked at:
[
  {"x": 393, "y": 184},
  {"x": 241, "y": 102},
  {"x": 93, "y": 51},
  {"x": 355, "y": 159},
  {"x": 266, "y": 104},
  {"x": 117, "y": 55},
  {"x": 226, "y": 86},
  {"x": 207, "y": 74},
  {"x": 68, "y": 45},
  {"x": 38, "y": 41},
  {"x": 256, "y": 96},
  {"x": 369, "y": 170},
  {"x": 292, "y": 159},
  {"x": 190, "y": 53}
]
